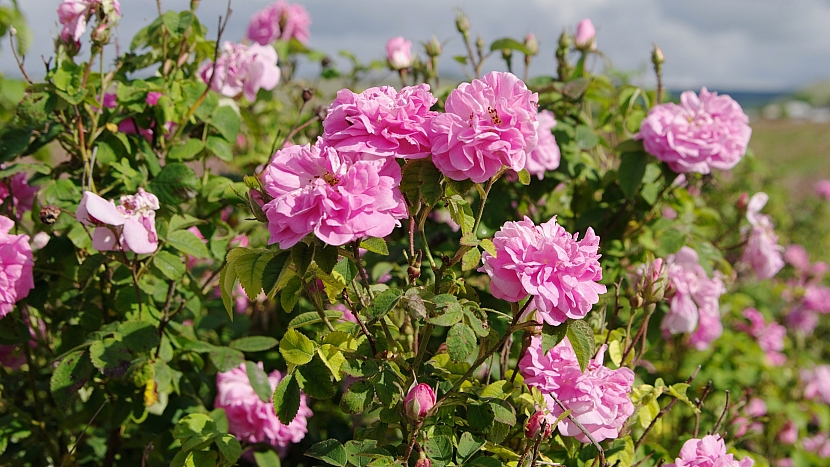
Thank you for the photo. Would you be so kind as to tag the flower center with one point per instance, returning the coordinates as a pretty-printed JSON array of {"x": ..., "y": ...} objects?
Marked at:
[
  {"x": 494, "y": 115},
  {"x": 330, "y": 179}
]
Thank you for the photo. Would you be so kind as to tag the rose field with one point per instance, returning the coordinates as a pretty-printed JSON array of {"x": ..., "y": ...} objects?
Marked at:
[{"x": 212, "y": 256}]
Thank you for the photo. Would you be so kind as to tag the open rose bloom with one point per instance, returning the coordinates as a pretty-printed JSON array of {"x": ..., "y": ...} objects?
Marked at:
[
  {"x": 762, "y": 251},
  {"x": 281, "y": 20},
  {"x": 398, "y": 53},
  {"x": 598, "y": 398},
  {"x": 489, "y": 124},
  {"x": 16, "y": 265},
  {"x": 130, "y": 226},
  {"x": 242, "y": 69},
  {"x": 709, "y": 451},
  {"x": 702, "y": 133}
]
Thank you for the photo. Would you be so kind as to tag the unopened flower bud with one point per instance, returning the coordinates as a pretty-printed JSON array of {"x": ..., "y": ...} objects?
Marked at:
[
  {"x": 433, "y": 47},
  {"x": 419, "y": 401},
  {"x": 307, "y": 94},
  {"x": 507, "y": 54},
  {"x": 743, "y": 201},
  {"x": 531, "y": 44},
  {"x": 585, "y": 38},
  {"x": 49, "y": 214},
  {"x": 657, "y": 57},
  {"x": 462, "y": 23},
  {"x": 537, "y": 422},
  {"x": 423, "y": 462},
  {"x": 480, "y": 45}
]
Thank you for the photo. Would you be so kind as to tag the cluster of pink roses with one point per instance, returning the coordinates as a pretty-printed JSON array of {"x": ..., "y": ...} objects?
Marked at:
[
  {"x": 242, "y": 69},
  {"x": 15, "y": 267},
  {"x": 693, "y": 306},
  {"x": 762, "y": 250},
  {"x": 709, "y": 451},
  {"x": 546, "y": 262},
  {"x": 281, "y": 20},
  {"x": 770, "y": 336},
  {"x": 346, "y": 185},
  {"x": 598, "y": 398},
  {"x": 252, "y": 420},
  {"x": 702, "y": 133},
  {"x": 808, "y": 297}
]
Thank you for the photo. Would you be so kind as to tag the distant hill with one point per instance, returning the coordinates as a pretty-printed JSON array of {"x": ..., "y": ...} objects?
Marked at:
[{"x": 748, "y": 99}]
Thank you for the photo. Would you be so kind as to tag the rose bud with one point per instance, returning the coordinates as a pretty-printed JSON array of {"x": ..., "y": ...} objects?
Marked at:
[
  {"x": 534, "y": 424},
  {"x": 419, "y": 401}
]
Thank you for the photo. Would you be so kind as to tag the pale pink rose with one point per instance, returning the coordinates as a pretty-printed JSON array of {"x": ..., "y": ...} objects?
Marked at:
[
  {"x": 817, "y": 383},
  {"x": 381, "y": 122},
  {"x": 823, "y": 189},
  {"x": 131, "y": 226},
  {"x": 546, "y": 156},
  {"x": 770, "y": 336},
  {"x": 242, "y": 69},
  {"x": 73, "y": 15},
  {"x": 797, "y": 256},
  {"x": 585, "y": 38},
  {"x": 818, "y": 444},
  {"x": 698, "y": 135},
  {"x": 534, "y": 424},
  {"x": 817, "y": 298},
  {"x": 23, "y": 195},
  {"x": 489, "y": 124},
  {"x": 788, "y": 434},
  {"x": 419, "y": 401},
  {"x": 693, "y": 303},
  {"x": 785, "y": 462},
  {"x": 153, "y": 98},
  {"x": 398, "y": 53},
  {"x": 347, "y": 313},
  {"x": 128, "y": 126},
  {"x": 762, "y": 251},
  {"x": 560, "y": 272},
  {"x": 598, "y": 398},
  {"x": 40, "y": 240},
  {"x": 280, "y": 20},
  {"x": 252, "y": 420},
  {"x": 756, "y": 408},
  {"x": 710, "y": 451},
  {"x": 15, "y": 267},
  {"x": 443, "y": 216},
  {"x": 340, "y": 199},
  {"x": 803, "y": 320}
]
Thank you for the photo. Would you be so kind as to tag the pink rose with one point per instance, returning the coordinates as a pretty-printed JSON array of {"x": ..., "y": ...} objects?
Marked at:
[
  {"x": 770, "y": 336},
  {"x": 252, "y": 420},
  {"x": 546, "y": 155},
  {"x": 545, "y": 261},
  {"x": 131, "y": 226},
  {"x": 598, "y": 398},
  {"x": 762, "y": 251},
  {"x": 398, "y": 53},
  {"x": 280, "y": 20},
  {"x": 419, "y": 401},
  {"x": 797, "y": 256},
  {"x": 339, "y": 198},
  {"x": 710, "y": 451},
  {"x": 73, "y": 15},
  {"x": 585, "y": 38},
  {"x": 819, "y": 444},
  {"x": 153, "y": 98},
  {"x": 381, "y": 122},
  {"x": 23, "y": 195},
  {"x": 15, "y": 267},
  {"x": 823, "y": 189},
  {"x": 693, "y": 304},
  {"x": 788, "y": 434},
  {"x": 534, "y": 424},
  {"x": 128, "y": 126},
  {"x": 698, "y": 135},
  {"x": 489, "y": 124},
  {"x": 817, "y": 383},
  {"x": 242, "y": 69}
]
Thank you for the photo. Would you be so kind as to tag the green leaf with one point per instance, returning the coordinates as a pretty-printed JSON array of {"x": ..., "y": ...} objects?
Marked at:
[
  {"x": 315, "y": 379},
  {"x": 71, "y": 374},
  {"x": 188, "y": 243},
  {"x": 267, "y": 458},
  {"x": 375, "y": 245},
  {"x": 296, "y": 348},
  {"x": 111, "y": 357},
  {"x": 290, "y": 294},
  {"x": 553, "y": 335},
  {"x": 139, "y": 336},
  {"x": 329, "y": 451},
  {"x": 172, "y": 266},
  {"x": 347, "y": 269},
  {"x": 508, "y": 43},
  {"x": 467, "y": 446},
  {"x": 226, "y": 359},
  {"x": 471, "y": 259},
  {"x": 301, "y": 255},
  {"x": 384, "y": 303},
  {"x": 287, "y": 399},
  {"x": 219, "y": 148},
  {"x": 670, "y": 242},
  {"x": 254, "y": 343},
  {"x": 259, "y": 381},
  {"x": 631, "y": 171},
  {"x": 461, "y": 342},
  {"x": 229, "y": 447},
  {"x": 487, "y": 245},
  {"x": 480, "y": 416},
  {"x": 503, "y": 412},
  {"x": 249, "y": 268},
  {"x": 421, "y": 181},
  {"x": 387, "y": 387},
  {"x": 227, "y": 280},
  {"x": 326, "y": 258},
  {"x": 581, "y": 337},
  {"x": 357, "y": 398},
  {"x": 273, "y": 271},
  {"x": 461, "y": 213},
  {"x": 178, "y": 222},
  {"x": 312, "y": 317},
  {"x": 226, "y": 121},
  {"x": 487, "y": 462},
  {"x": 439, "y": 449},
  {"x": 586, "y": 137},
  {"x": 498, "y": 390},
  {"x": 621, "y": 452},
  {"x": 176, "y": 183},
  {"x": 186, "y": 151},
  {"x": 524, "y": 177},
  {"x": 195, "y": 424}
]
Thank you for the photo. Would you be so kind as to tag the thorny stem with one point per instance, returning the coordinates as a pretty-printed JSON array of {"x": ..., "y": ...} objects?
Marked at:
[
  {"x": 722, "y": 414},
  {"x": 360, "y": 322},
  {"x": 80, "y": 437},
  {"x": 317, "y": 306},
  {"x": 582, "y": 429},
  {"x": 412, "y": 441},
  {"x": 361, "y": 271},
  {"x": 16, "y": 57},
  {"x": 699, "y": 403},
  {"x": 171, "y": 287}
]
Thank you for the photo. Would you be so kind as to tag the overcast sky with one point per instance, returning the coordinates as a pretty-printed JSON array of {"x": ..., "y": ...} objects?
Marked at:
[{"x": 722, "y": 44}]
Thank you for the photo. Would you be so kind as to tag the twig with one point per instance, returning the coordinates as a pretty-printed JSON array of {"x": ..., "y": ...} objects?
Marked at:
[
  {"x": 662, "y": 413},
  {"x": 699, "y": 403},
  {"x": 69, "y": 454},
  {"x": 412, "y": 441},
  {"x": 723, "y": 414},
  {"x": 13, "y": 33},
  {"x": 616, "y": 310},
  {"x": 581, "y": 428},
  {"x": 360, "y": 322}
]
